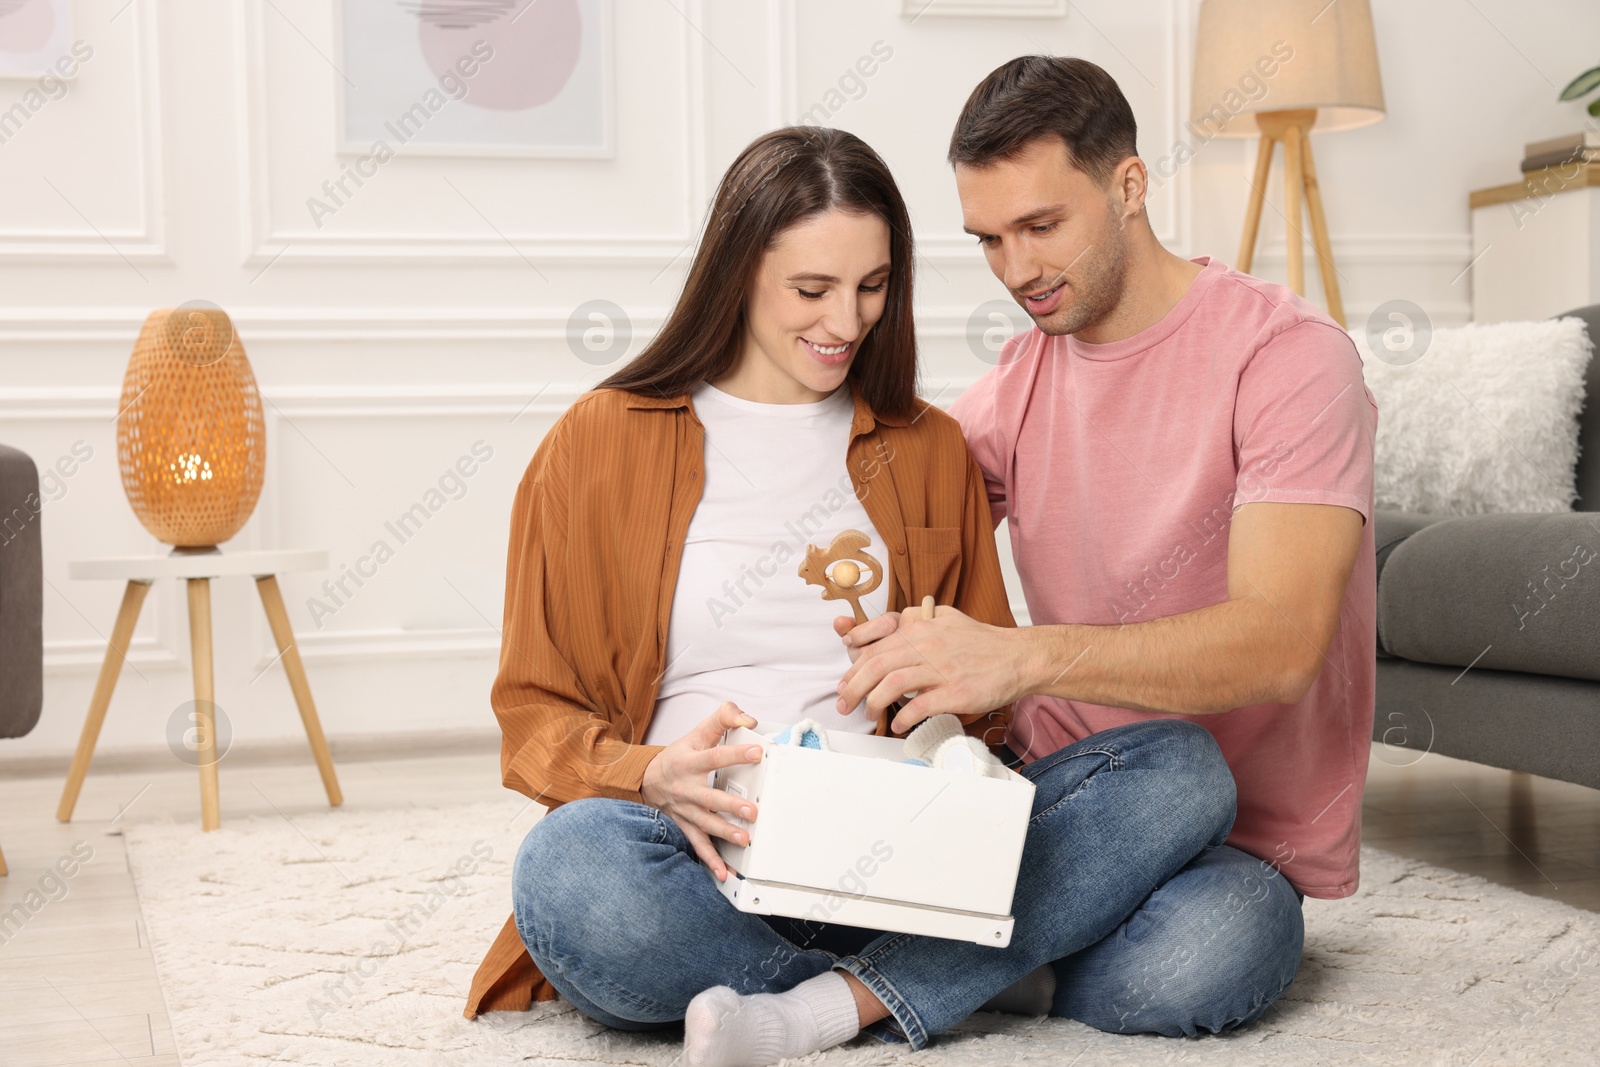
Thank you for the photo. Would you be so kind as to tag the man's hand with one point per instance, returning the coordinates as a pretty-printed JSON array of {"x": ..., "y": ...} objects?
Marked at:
[{"x": 953, "y": 662}]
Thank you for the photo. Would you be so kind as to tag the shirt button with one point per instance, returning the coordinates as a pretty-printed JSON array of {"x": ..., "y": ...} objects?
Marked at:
[{"x": 900, "y": 549}]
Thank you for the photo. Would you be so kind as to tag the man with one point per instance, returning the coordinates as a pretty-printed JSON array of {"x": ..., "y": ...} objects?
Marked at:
[{"x": 1184, "y": 457}]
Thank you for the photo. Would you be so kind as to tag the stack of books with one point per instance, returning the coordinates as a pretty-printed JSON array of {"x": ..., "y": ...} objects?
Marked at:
[{"x": 1558, "y": 151}]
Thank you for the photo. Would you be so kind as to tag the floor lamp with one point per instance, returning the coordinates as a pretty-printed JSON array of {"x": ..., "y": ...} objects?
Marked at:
[{"x": 1292, "y": 66}]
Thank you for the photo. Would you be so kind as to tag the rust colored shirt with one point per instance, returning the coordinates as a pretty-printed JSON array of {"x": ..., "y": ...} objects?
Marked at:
[{"x": 597, "y": 529}]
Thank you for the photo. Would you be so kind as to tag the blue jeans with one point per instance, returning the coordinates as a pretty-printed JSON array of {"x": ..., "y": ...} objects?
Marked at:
[{"x": 1151, "y": 923}]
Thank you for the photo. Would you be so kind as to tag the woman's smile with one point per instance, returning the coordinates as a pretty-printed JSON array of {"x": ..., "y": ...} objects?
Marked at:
[{"x": 831, "y": 355}]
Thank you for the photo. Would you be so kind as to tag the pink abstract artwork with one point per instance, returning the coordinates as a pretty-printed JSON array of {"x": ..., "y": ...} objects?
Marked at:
[
  {"x": 528, "y": 78},
  {"x": 25, "y": 25},
  {"x": 536, "y": 44}
]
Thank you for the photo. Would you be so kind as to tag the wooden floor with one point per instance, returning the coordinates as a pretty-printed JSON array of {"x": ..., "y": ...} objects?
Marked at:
[{"x": 78, "y": 984}]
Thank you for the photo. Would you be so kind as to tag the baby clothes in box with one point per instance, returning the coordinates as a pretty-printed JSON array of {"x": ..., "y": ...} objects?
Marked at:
[{"x": 939, "y": 741}]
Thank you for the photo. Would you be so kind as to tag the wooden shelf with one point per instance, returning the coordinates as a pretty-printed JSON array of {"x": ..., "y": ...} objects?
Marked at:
[{"x": 1538, "y": 184}]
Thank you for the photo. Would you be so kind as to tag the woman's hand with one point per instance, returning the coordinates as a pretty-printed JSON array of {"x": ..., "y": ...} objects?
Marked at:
[{"x": 675, "y": 782}]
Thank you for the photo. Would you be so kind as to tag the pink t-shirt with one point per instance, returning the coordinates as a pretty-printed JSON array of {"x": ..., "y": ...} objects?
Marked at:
[{"x": 1119, "y": 466}]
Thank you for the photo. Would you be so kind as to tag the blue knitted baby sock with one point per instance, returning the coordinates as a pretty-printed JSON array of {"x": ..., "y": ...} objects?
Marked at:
[{"x": 805, "y": 733}]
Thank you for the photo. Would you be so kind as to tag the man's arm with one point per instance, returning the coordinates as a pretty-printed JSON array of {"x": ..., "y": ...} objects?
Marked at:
[{"x": 1288, "y": 566}]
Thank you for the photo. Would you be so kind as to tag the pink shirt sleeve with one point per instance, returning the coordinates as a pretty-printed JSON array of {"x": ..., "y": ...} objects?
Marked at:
[
  {"x": 1304, "y": 422},
  {"x": 974, "y": 409}
]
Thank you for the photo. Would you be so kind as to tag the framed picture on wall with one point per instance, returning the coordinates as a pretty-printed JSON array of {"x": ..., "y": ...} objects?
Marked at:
[
  {"x": 984, "y": 8},
  {"x": 519, "y": 78},
  {"x": 34, "y": 36},
  {"x": 1020, "y": 9}
]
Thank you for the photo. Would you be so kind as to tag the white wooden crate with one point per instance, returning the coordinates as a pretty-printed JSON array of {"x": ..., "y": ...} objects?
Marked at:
[{"x": 855, "y": 836}]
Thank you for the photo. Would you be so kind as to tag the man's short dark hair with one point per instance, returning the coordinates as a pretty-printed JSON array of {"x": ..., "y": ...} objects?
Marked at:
[{"x": 1039, "y": 96}]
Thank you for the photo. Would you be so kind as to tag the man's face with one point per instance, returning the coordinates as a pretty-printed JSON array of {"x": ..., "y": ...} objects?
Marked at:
[{"x": 1049, "y": 232}]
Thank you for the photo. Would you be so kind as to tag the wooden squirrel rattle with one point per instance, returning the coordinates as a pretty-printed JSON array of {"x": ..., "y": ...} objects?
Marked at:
[{"x": 838, "y": 570}]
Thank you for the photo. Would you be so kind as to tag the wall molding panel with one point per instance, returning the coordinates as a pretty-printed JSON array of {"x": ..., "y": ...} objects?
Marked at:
[{"x": 145, "y": 243}]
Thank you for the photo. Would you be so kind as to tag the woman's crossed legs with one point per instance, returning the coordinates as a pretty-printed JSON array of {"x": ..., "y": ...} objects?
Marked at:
[
  {"x": 626, "y": 923},
  {"x": 1151, "y": 923}
]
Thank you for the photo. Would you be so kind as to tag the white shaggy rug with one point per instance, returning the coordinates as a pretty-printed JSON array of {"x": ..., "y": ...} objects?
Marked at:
[{"x": 289, "y": 943}]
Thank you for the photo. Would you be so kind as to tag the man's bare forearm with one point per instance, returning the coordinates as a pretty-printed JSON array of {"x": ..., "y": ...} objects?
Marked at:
[{"x": 1202, "y": 662}]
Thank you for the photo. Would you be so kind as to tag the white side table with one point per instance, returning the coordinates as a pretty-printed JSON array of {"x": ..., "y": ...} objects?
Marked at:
[
  {"x": 1536, "y": 244},
  {"x": 198, "y": 568}
]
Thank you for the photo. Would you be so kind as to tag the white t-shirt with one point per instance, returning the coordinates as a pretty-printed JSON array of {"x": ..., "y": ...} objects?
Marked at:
[{"x": 745, "y": 626}]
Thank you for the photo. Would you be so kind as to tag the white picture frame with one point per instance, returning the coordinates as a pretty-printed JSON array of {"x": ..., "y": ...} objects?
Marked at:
[
  {"x": 380, "y": 79},
  {"x": 34, "y": 35},
  {"x": 1015, "y": 9}
]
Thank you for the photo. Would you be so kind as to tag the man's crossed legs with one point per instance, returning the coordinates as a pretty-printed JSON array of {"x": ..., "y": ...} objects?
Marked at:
[{"x": 1149, "y": 921}]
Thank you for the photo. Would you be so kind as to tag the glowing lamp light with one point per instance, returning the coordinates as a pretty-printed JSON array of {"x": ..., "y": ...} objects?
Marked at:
[{"x": 191, "y": 442}]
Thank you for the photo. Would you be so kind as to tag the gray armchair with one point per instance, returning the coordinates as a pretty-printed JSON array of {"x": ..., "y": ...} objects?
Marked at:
[
  {"x": 21, "y": 598},
  {"x": 1513, "y": 597}
]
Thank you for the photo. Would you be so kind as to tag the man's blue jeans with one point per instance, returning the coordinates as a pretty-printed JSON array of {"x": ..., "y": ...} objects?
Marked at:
[{"x": 1151, "y": 923}]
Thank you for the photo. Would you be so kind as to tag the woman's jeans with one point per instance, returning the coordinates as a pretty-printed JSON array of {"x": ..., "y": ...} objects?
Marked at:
[{"x": 1152, "y": 924}]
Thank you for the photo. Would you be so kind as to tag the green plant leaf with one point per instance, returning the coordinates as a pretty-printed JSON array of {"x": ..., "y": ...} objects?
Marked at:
[
  {"x": 1583, "y": 83},
  {"x": 1594, "y": 107}
]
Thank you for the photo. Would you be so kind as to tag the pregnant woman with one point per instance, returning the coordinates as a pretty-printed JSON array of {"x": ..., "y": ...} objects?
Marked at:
[{"x": 653, "y": 595}]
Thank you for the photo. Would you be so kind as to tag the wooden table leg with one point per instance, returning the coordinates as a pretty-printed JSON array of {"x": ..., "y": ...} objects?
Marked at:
[
  {"x": 283, "y": 634},
  {"x": 110, "y": 667},
  {"x": 204, "y": 699}
]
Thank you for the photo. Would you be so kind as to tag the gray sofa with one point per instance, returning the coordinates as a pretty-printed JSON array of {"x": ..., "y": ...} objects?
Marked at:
[
  {"x": 1513, "y": 597},
  {"x": 21, "y": 598}
]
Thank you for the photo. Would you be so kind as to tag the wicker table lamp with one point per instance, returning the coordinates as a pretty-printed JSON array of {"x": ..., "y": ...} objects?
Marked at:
[
  {"x": 190, "y": 439},
  {"x": 1329, "y": 82}
]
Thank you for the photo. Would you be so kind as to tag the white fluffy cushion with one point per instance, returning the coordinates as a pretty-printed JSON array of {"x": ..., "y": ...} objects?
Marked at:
[{"x": 1485, "y": 421}]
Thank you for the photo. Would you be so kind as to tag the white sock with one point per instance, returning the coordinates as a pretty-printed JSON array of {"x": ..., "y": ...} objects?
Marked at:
[
  {"x": 724, "y": 1029},
  {"x": 964, "y": 752},
  {"x": 929, "y": 734}
]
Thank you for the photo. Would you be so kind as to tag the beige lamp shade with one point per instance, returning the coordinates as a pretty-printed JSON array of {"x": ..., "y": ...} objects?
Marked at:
[
  {"x": 191, "y": 443},
  {"x": 1253, "y": 56}
]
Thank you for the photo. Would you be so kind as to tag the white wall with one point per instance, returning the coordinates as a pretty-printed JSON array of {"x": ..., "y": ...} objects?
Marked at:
[{"x": 423, "y": 318}]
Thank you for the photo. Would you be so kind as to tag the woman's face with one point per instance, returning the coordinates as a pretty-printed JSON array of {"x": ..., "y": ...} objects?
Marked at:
[{"x": 816, "y": 292}]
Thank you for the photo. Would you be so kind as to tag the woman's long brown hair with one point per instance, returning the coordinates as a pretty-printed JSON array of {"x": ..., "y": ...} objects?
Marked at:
[{"x": 783, "y": 178}]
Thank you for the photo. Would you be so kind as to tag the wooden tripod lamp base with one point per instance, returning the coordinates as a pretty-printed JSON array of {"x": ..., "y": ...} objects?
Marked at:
[{"x": 1291, "y": 129}]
